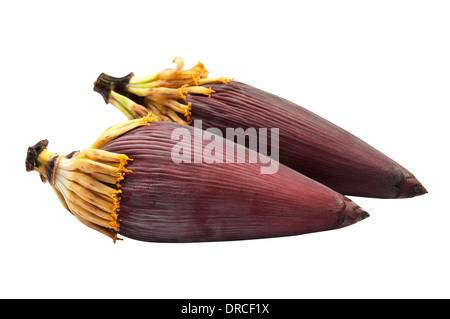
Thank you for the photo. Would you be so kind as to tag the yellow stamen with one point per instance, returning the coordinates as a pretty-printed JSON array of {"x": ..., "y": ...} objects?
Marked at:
[
  {"x": 198, "y": 90},
  {"x": 88, "y": 183},
  {"x": 212, "y": 81},
  {"x": 121, "y": 128}
]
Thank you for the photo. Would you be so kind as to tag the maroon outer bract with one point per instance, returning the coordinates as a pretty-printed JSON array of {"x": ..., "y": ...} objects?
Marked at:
[
  {"x": 163, "y": 201},
  {"x": 308, "y": 143}
]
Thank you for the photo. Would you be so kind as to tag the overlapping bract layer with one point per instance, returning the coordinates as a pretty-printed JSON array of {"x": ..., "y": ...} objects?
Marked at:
[
  {"x": 129, "y": 183},
  {"x": 168, "y": 202},
  {"x": 308, "y": 143}
]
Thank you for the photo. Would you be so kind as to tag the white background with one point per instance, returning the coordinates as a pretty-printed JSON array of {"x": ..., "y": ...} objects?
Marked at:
[{"x": 380, "y": 69}]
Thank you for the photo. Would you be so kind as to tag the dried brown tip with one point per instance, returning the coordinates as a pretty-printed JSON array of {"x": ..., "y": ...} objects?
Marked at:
[
  {"x": 411, "y": 188},
  {"x": 350, "y": 214}
]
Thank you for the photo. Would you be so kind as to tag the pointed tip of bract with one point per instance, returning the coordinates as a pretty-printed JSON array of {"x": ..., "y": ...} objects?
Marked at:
[
  {"x": 350, "y": 214},
  {"x": 411, "y": 188},
  {"x": 417, "y": 190}
]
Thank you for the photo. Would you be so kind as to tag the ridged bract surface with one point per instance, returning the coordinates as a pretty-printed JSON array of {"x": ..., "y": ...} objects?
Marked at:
[
  {"x": 164, "y": 201},
  {"x": 308, "y": 143}
]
